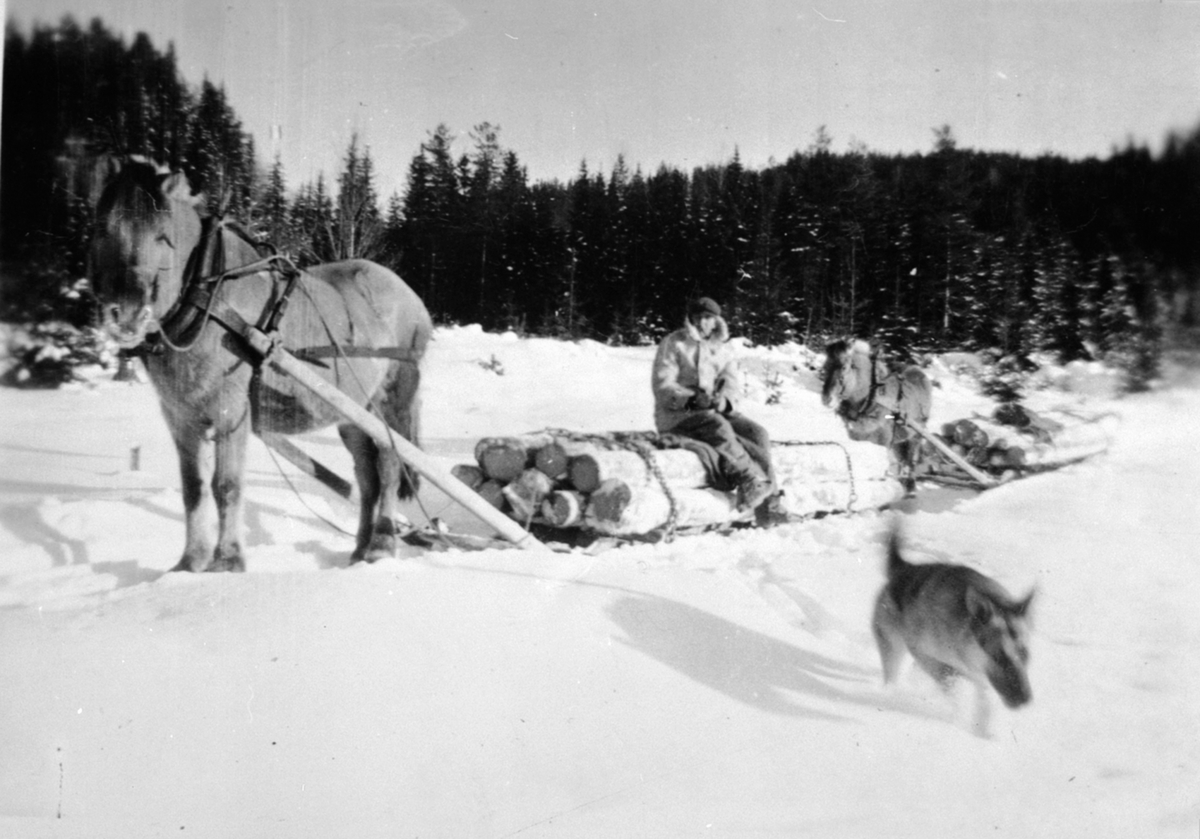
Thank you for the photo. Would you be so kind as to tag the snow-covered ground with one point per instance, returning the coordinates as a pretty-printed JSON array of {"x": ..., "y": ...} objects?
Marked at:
[{"x": 713, "y": 686}]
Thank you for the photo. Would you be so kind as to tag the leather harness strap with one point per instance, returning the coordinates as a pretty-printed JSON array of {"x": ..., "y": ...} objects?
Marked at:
[
  {"x": 874, "y": 408},
  {"x": 312, "y": 354},
  {"x": 202, "y": 294}
]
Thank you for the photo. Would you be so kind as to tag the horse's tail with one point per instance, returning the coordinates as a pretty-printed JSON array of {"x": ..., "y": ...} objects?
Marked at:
[
  {"x": 407, "y": 420},
  {"x": 405, "y": 396},
  {"x": 410, "y": 479}
]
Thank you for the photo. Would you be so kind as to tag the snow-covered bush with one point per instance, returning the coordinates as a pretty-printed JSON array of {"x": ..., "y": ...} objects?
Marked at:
[
  {"x": 53, "y": 353},
  {"x": 1137, "y": 354}
]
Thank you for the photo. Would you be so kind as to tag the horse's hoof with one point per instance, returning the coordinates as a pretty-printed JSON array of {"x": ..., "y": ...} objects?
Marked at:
[
  {"x": 231, "y": 563},
  {"x": 383, "y": 546},
  {"x": 385, "y": 541},
  {"x": 190, "y": 564},
  {"x": 378, "y": 549}
]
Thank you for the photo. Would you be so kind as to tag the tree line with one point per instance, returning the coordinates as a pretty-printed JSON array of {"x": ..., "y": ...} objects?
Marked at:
[{"x": 949, "y": 248}]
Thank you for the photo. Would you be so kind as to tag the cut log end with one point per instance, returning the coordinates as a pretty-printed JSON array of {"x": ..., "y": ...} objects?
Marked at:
[
  {"x": 551, "y": 460},
  {"x": 493, "y": 493},
  {"x": 609, "y": 500},
  {"x": 584, "y": 473},
  {"x": 502, "y": 459},
  {"x": 564, "y": 508},
  {"x": 469, "y": 474},
  {"x": 526, "y": 493}
]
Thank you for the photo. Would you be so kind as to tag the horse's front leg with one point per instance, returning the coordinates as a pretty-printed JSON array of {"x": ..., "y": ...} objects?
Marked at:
[
  {"x": 227, "y": 481},
  {"x": 194, "y": 445},
  {"x": 907, "y": 451}
]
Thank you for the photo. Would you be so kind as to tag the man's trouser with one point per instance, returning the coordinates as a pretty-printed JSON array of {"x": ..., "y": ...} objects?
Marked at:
[{"x": 743, "y": 446}]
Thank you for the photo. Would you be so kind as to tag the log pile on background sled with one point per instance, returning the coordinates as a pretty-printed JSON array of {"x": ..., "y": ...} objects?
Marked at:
[
  {"x": 638, "y": 484},
  {"x": 1016, "y": 441}
]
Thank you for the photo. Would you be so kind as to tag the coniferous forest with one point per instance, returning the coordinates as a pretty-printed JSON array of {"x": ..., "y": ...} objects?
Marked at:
[{"x": 950, "y": 248}]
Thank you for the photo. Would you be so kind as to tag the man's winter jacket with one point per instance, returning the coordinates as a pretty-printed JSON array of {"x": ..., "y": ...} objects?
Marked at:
[{"x": 687, "y": 363}]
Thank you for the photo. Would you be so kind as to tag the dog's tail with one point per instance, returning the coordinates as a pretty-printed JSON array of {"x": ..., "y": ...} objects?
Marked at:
[{"x": 895, "y": 562}]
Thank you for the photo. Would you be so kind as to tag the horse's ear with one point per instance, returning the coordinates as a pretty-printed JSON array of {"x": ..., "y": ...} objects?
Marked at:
[
  {"x": 107, "y": 168},
  {"x": 175, "y": 185}
]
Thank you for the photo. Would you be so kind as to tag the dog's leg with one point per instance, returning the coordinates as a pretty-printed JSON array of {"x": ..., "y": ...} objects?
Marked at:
[
  {"x": 888, "y": 637},
  {"x": 942, "y": 673},
  {"x": 982, "y": 724}
]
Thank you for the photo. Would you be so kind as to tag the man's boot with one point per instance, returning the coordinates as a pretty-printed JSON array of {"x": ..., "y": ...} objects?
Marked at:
[{"x": 753, "y": 490}]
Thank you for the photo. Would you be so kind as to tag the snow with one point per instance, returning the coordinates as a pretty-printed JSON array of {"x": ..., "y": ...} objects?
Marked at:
[{"x": 715, "y": 685}]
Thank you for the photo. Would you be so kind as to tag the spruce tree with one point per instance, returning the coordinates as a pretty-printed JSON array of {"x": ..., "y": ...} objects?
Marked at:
[{"x": 357, "y": 230}]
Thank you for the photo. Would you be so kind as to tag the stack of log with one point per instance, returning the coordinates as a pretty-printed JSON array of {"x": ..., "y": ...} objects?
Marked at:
[
  {"x": 624, "y": 485},
  {"x": 1015, "y": 439}
]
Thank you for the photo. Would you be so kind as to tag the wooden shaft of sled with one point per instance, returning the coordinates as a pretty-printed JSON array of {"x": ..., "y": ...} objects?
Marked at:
[
  {"x": 982, "y": 478},
  {"x": 383, "y": 436},
  {"x": 310, "y": 466}
]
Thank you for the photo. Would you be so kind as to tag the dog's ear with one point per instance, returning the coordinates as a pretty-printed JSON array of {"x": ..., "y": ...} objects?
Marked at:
[
  {"x": 1022, "y": 608},
  {"x": 980, "y": 607}
]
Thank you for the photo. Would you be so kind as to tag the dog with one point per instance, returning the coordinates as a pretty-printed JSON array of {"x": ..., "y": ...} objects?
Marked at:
[{"x": 956, "y": 622}]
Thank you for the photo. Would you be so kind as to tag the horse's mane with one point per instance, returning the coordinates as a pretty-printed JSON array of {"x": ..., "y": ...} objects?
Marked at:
[
  {"x": 845, "y": 346},
  {"x": 135, "y": 191}
]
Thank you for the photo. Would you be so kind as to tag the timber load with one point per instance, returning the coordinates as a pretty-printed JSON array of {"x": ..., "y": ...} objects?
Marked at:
[
  {"x": 643, "y": 484},
  {"x": 1016, "y": 441}
]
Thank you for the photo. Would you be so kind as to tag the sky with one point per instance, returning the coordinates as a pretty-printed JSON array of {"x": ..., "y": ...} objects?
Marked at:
[{"x": 682, "y": 82}]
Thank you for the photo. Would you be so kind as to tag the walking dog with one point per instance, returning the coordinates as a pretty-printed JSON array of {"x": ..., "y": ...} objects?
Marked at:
[{"x": 955, "y": 622}]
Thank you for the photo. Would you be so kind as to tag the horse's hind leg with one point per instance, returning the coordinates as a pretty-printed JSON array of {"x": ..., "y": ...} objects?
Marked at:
[
  {"x": 362, "y": 450},
  {"x": 377, "y": 471}
]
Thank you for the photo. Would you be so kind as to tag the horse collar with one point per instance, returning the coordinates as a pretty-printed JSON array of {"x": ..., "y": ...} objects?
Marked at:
[
  {"x": 179, "y": 317},
  {"x": 868, "y": 404}
]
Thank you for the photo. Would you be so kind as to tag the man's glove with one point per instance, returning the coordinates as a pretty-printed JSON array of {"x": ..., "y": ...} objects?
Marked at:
[
  {"x": 700, "y": 401},
  {"x": 721, "y": 402}
]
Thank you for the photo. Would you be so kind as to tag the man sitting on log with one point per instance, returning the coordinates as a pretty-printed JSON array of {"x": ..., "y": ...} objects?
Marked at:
[{"x": 696, "y": 390}]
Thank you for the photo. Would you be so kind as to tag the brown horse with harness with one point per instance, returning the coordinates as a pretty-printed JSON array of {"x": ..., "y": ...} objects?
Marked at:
[
  {"x": 190, "y": 289},
  {"x": 878, "y": 404}
]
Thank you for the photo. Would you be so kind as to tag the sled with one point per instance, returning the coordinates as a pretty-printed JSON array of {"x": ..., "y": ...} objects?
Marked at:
[
  {"x": 978, "y": 476},
  {"x": 985, "y": 452},
  {"x": 589, "y": 489}
]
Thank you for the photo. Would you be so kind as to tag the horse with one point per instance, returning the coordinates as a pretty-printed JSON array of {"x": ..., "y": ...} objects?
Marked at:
[
  {"x": 878, "y": 404},
  {"x": 184, "y": 286}
]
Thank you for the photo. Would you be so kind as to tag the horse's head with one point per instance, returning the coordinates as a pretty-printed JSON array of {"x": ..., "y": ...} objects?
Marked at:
[
  {"x": 848, "y": 372},
  {"x": 147, "y": 224},
  {"x": 837, "y": 374}
]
